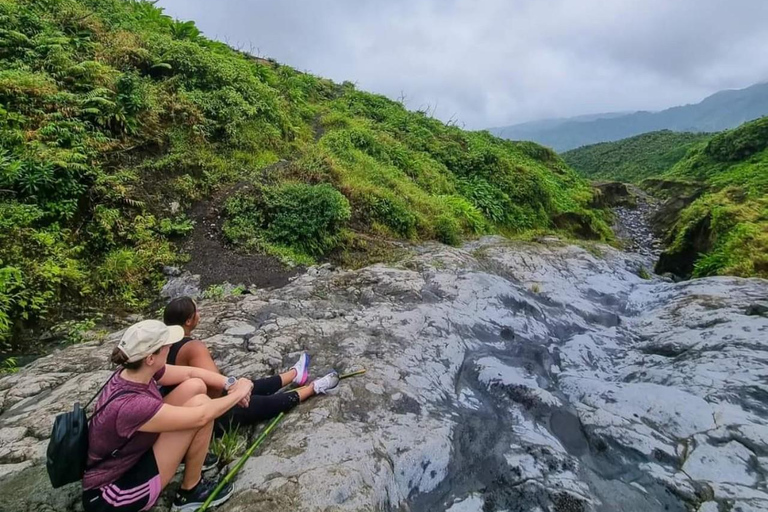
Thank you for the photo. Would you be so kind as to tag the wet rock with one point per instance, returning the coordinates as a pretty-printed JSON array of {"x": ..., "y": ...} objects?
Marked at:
[
  {"x": 600, "y": 391},
  {"x": 728, "y": 463},
  {"x": 239, "y": 329},
  {"x": 758, "y": 308},
  {"x": 171, "y": 271},
  {"x": 634, "y": 226}
]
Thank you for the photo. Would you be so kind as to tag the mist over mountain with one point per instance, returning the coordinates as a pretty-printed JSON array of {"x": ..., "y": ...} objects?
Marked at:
[{"x": 720, "y": 111}]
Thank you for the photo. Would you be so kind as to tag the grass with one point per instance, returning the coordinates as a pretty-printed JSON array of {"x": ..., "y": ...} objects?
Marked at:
[
  {"x": 214, "y": 291},
  {"x": 115, "y": 118},
  {"x": 219, "y": 291},
  {"x": 9, "y": 365},
  {"x": 230, "y": 445}
]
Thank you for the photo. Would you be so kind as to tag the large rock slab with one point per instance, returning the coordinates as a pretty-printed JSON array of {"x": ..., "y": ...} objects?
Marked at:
[{"x": 501, "y": 376}]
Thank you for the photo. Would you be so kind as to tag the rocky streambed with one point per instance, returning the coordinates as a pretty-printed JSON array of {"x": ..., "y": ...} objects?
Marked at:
[
  {"x": 636, "y": 222},
  {"x": 501, "y": 377}
]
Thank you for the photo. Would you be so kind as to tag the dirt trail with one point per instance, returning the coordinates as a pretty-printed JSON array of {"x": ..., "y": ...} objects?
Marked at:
[
  {"x": 215, "y": 260},
  {"x": 218, "y": 262}
]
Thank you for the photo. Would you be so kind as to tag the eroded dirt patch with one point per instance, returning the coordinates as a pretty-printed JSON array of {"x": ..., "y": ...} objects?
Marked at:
[{"x": 216, "y": 261}]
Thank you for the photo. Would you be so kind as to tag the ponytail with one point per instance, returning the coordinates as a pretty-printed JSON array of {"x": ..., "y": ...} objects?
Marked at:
[{"x": 120, "y": 359}]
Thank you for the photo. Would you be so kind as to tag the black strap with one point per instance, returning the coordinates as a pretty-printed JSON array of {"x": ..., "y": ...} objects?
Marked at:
[
  {"x": 173, "y": 353},
  {"x": 116, "y": 451},
  {"x": 101, "y": 388},
  {"x": 119, "y": 393}
]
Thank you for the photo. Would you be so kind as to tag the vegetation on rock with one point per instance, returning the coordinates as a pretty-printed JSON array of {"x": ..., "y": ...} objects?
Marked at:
[
  {"x": 115, "y": 118},
  {"x": 729, "y": 223}
]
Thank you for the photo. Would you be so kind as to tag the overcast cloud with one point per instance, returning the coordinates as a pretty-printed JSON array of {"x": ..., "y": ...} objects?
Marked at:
[{"x": 498, "y": 62}]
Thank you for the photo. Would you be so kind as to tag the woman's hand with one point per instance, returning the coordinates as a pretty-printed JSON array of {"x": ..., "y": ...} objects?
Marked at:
[{"x": 242, "y": 388}]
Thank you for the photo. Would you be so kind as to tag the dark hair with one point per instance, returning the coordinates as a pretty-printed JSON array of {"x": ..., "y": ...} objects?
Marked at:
[
  {"x": 119, "y": 358},
  {"x": 179, "y": 310}
]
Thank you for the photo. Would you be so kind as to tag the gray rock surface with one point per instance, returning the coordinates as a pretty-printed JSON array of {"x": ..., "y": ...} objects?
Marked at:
[
  {"x": 180, "y": 284},
  {"x": 501, "y": 376}
]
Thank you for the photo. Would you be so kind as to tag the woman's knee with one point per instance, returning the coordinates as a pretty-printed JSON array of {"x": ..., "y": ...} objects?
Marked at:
[
  {"x": 194, "y": 386},
  {"x": 200, "y": 399}
]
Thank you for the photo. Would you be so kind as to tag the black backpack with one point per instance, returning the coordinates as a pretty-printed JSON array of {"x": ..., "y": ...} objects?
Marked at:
[{"x": 67, "y": 453}]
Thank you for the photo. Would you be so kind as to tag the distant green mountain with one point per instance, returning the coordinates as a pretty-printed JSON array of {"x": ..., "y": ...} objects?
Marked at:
[
  {"x": 635, "y": 158},
  {"x": 721, "y": 111}
]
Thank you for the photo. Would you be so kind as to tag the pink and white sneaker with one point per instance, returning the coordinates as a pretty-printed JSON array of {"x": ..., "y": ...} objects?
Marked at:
[{"x": 302, "y": 370}]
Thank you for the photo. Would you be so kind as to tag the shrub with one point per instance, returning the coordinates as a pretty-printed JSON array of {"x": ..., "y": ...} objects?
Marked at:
[
  {"x": 469, "y": 217},
  {"x": 739, "y": 143},
  {"x": 447, "y": 230},
  {"x": 376, "y": 206},
  {"x": 306, "y": 218}
]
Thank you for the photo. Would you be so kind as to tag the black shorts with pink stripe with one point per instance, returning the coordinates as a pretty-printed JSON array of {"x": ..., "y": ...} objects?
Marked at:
[{"x": 137, "y": 490}]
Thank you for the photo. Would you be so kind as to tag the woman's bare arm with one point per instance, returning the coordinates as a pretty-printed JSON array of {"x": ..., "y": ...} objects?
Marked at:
[
  {"x": 177, "y": 374},
  {"x": 171, "y": 418}
]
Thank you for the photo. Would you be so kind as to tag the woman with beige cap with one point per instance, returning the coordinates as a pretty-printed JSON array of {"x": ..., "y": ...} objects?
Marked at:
[{"x": 137, "y": 438}]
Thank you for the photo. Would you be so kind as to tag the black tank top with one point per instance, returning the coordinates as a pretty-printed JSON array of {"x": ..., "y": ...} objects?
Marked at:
[
  {"x": 172, "y": 355},
  {"x": 174, "y": 352}
]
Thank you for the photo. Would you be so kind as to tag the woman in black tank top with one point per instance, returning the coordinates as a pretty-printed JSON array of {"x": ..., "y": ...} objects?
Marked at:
[{"x": 266, "y": 402}]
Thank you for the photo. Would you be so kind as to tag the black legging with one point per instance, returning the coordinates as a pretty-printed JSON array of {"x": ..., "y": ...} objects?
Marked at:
[{"x": 266, "y": 403}]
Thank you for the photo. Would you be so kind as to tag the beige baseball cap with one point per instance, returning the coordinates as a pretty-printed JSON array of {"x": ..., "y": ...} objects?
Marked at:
[{"x": 145, "y": 337}]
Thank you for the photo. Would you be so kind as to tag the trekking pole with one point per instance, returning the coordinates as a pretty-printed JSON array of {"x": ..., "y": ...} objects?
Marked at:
[
  {"x": 241, "y": 462},
  {"x": 351, "y": 374}
]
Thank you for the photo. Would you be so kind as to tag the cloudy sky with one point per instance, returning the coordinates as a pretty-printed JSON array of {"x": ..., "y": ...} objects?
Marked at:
[{"x": 498, "y": 62}]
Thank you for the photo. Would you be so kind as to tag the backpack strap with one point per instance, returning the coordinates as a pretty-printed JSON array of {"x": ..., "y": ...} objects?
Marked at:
[
  {"x": 101, "y": 389},
  {"x": 119, "y": 393},
  {"x": 116, "y": 451}
]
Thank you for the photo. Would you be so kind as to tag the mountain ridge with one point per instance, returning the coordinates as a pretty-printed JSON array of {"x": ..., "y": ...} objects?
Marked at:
[{"x": 720, "y": 111}]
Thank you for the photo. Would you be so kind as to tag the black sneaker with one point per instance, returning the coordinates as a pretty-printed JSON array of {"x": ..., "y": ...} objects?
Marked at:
[
  {"x": 211, "y": 461},
  {"x": 191, "y": 500}
]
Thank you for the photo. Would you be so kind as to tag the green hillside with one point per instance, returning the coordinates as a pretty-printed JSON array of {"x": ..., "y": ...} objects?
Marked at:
[
  {"x": 632, "y": 159},
  {"x": 725, "y": 231},
  {"x": 115, "y": 119}
]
